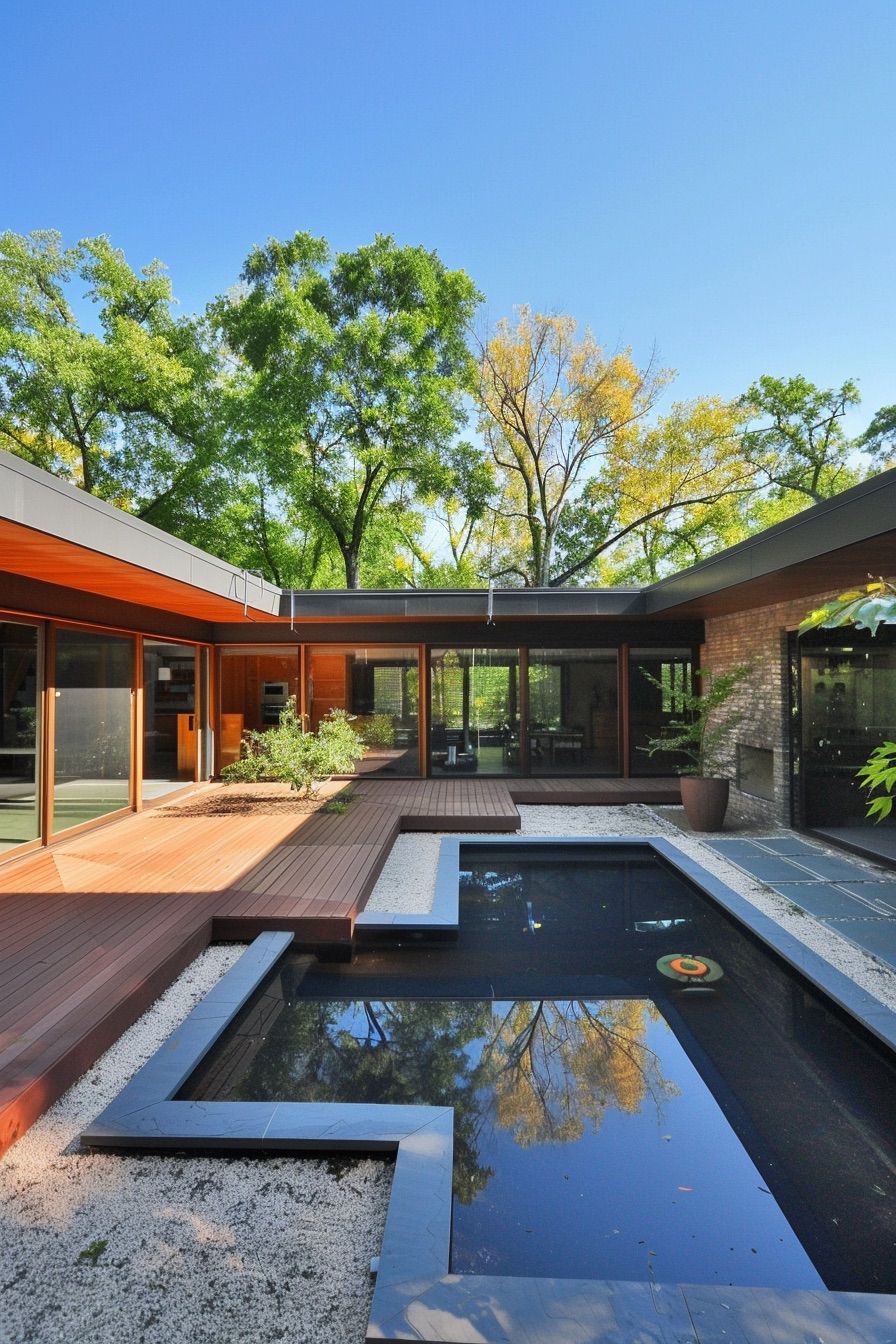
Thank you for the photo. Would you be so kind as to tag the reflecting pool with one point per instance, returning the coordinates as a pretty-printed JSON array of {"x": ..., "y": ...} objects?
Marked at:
[{"x": 610, "y": 1122}]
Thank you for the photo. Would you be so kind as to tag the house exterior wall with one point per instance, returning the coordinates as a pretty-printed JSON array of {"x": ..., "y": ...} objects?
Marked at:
[{"x": 759, "y": 637}]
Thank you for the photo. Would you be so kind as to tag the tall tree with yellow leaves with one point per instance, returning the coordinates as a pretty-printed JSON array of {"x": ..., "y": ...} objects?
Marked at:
[
  {"x": 551, "y": 407},
  {"x": 668, "y": 494}
]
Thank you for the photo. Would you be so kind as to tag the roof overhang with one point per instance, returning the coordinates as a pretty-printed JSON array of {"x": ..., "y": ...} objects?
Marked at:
[
  {"x": 54, "y": 533},
  {"x": 833, "y": 545}
]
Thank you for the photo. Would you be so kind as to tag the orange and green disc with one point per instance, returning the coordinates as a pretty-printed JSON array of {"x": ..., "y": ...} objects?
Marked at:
[{"x": 687, "y": 967}]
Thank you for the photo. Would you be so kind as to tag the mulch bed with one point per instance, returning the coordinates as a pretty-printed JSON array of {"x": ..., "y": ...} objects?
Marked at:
[{"x": 234, "y": 804}]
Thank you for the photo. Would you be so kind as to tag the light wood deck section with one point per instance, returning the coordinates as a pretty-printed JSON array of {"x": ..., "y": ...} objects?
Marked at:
[{"x": 94, "y": 928}]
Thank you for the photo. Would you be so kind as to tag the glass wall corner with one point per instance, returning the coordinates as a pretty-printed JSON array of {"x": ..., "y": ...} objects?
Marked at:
[{"x": 21, "y": 687}]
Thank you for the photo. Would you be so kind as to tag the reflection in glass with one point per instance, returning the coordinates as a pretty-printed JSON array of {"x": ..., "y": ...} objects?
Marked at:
[
  {"x": 170, "y": 726},
  {"x": 652, "y": 707},
  {"x": 255, "y": 684},
  {"x": 381, "y": 689},
  {"x": 474, "y": 711},
  {"x": 94, "y": 676},
  {"x": 573, "y": 712},
  {"x": 19, "y": 735},
  {"x": 848, "y": 695}
]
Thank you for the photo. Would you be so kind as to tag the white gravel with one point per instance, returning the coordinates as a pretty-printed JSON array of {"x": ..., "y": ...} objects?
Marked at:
[
  {"x": 212, "y": 1250},
  {"x": 198, "y": 1250}
]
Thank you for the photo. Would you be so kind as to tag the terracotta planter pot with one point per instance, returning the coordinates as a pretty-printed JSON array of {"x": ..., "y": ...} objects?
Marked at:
[{"x": 705, "y": 801}]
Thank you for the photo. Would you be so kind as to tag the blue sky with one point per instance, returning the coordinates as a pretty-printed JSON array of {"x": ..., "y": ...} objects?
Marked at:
[{"x": 713, "y": 177}]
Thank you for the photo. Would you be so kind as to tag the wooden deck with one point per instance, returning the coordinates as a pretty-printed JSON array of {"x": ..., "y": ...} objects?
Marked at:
[{"x": 94, "y": 928}]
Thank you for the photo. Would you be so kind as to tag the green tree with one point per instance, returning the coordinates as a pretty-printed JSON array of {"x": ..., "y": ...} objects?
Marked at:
[
  {"x": 667, "y": 495},
  {"x": 357, "y": 364},
  {"x": 880, "y": 437},
  {"x": 460, "y": 515},
  {"x": 125, "y": 409},
  {"x": 798, "y": 445}
]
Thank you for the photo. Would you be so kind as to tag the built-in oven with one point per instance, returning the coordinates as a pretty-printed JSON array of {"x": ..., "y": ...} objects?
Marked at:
[{"x": 274, "y": 695}]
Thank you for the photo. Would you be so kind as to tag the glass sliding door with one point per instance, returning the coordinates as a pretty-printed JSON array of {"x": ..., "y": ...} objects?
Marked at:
[
  {"x": 170, "y": 723},
  {"x": 94, "y": 677},
  {"x": 847, "y": 684},
  {"x": 474, "y": 712},
  {"x": 380, "y": 688},
  {"x": 573, "y": 712},
  {"x": 19, "y": 734},
  {"x": 255, "y": 684},
  {"x": 654, "y": 700}
]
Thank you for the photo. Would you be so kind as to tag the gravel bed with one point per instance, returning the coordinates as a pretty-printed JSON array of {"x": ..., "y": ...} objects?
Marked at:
[
  {"x": 187, "y": 1250},
  {"x": 175, "y": 1249}
]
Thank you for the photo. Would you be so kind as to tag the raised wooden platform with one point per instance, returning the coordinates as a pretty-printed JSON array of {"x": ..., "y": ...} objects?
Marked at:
[{"x": 94, "y": 928}]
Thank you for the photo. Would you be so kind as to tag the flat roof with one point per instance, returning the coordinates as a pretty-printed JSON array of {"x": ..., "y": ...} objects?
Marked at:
[{"x": 53, "y": 532}]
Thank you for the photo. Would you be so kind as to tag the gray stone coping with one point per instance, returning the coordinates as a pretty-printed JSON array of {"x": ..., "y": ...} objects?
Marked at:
[
  {"x": 858, "y": 902},
  {"x": 416, "y": 1298}
]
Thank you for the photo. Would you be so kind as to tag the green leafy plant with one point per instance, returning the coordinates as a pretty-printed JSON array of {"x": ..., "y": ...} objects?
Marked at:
[
  {"x": 865, "y": 608},
  {"x": 378, "y": 731},
  {"x": 304, "y": 759},
  {"x": 247, "y": 770},
  {"x": 296, "y": 757},
  {"x": 879, "y": 772},
  {"x": 341, "y": 803},
  {"x": 254, "y": 763},
  {"x": 699, "y": 733},
  {"x": 93, "y": 1251}
]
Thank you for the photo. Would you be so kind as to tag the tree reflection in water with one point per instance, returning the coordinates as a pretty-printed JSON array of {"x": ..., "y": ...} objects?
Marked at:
[
  {"x": 558, "y": 1066},
  {"x": 542, "y": 1070}
]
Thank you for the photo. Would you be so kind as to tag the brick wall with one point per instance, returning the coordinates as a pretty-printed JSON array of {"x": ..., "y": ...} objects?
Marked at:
[{"x": 758, "y": 637}]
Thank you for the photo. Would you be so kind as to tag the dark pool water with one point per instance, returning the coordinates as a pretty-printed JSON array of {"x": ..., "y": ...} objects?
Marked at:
[{"x": 608, "y": 1123}]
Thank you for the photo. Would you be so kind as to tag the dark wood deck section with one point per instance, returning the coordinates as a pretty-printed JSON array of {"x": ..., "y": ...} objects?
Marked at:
[{"x": 94, "y": 928}]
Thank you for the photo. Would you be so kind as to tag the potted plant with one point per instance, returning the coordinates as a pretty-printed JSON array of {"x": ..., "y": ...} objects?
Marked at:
[{"x": 698, "y": 735}]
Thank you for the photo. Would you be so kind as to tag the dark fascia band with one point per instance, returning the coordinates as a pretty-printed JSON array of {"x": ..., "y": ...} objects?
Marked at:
[{"x": 415, "y": 1297}]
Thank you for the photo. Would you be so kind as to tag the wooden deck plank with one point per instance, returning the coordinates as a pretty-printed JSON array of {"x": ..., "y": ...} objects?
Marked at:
[{"x": 94, "y": 928}]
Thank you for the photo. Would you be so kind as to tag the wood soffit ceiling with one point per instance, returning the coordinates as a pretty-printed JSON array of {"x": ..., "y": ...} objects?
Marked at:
[
  {"x": 836, "y": 571},
  {"x": 37, "y": 555}
]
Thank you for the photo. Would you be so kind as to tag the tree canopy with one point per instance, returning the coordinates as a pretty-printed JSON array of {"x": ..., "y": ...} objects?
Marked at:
[
  {"x": 356, "y": 367},
  {"x": 123, "y": 409},
  {"x": 308, "y": 424},
  {"x": 551, "y": 405},
  {"x": 798, "y": 445}
]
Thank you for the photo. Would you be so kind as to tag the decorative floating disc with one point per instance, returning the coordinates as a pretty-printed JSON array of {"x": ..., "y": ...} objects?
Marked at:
[{"x": 688, "y": 968}]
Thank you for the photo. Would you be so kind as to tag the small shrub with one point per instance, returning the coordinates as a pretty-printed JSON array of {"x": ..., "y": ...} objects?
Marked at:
[
  {"x": 93, "y": 1251},
  {"x": 247, "y": 770},
  {"x": 254, "y": 763},
  {"x": 378, "y": 731},
  {"x": 301, "y": 760},
  {"x": 304, "y": 760}
]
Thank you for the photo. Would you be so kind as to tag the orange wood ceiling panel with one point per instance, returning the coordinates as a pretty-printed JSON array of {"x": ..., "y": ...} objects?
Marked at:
[{"x": 37, "y": 555}]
